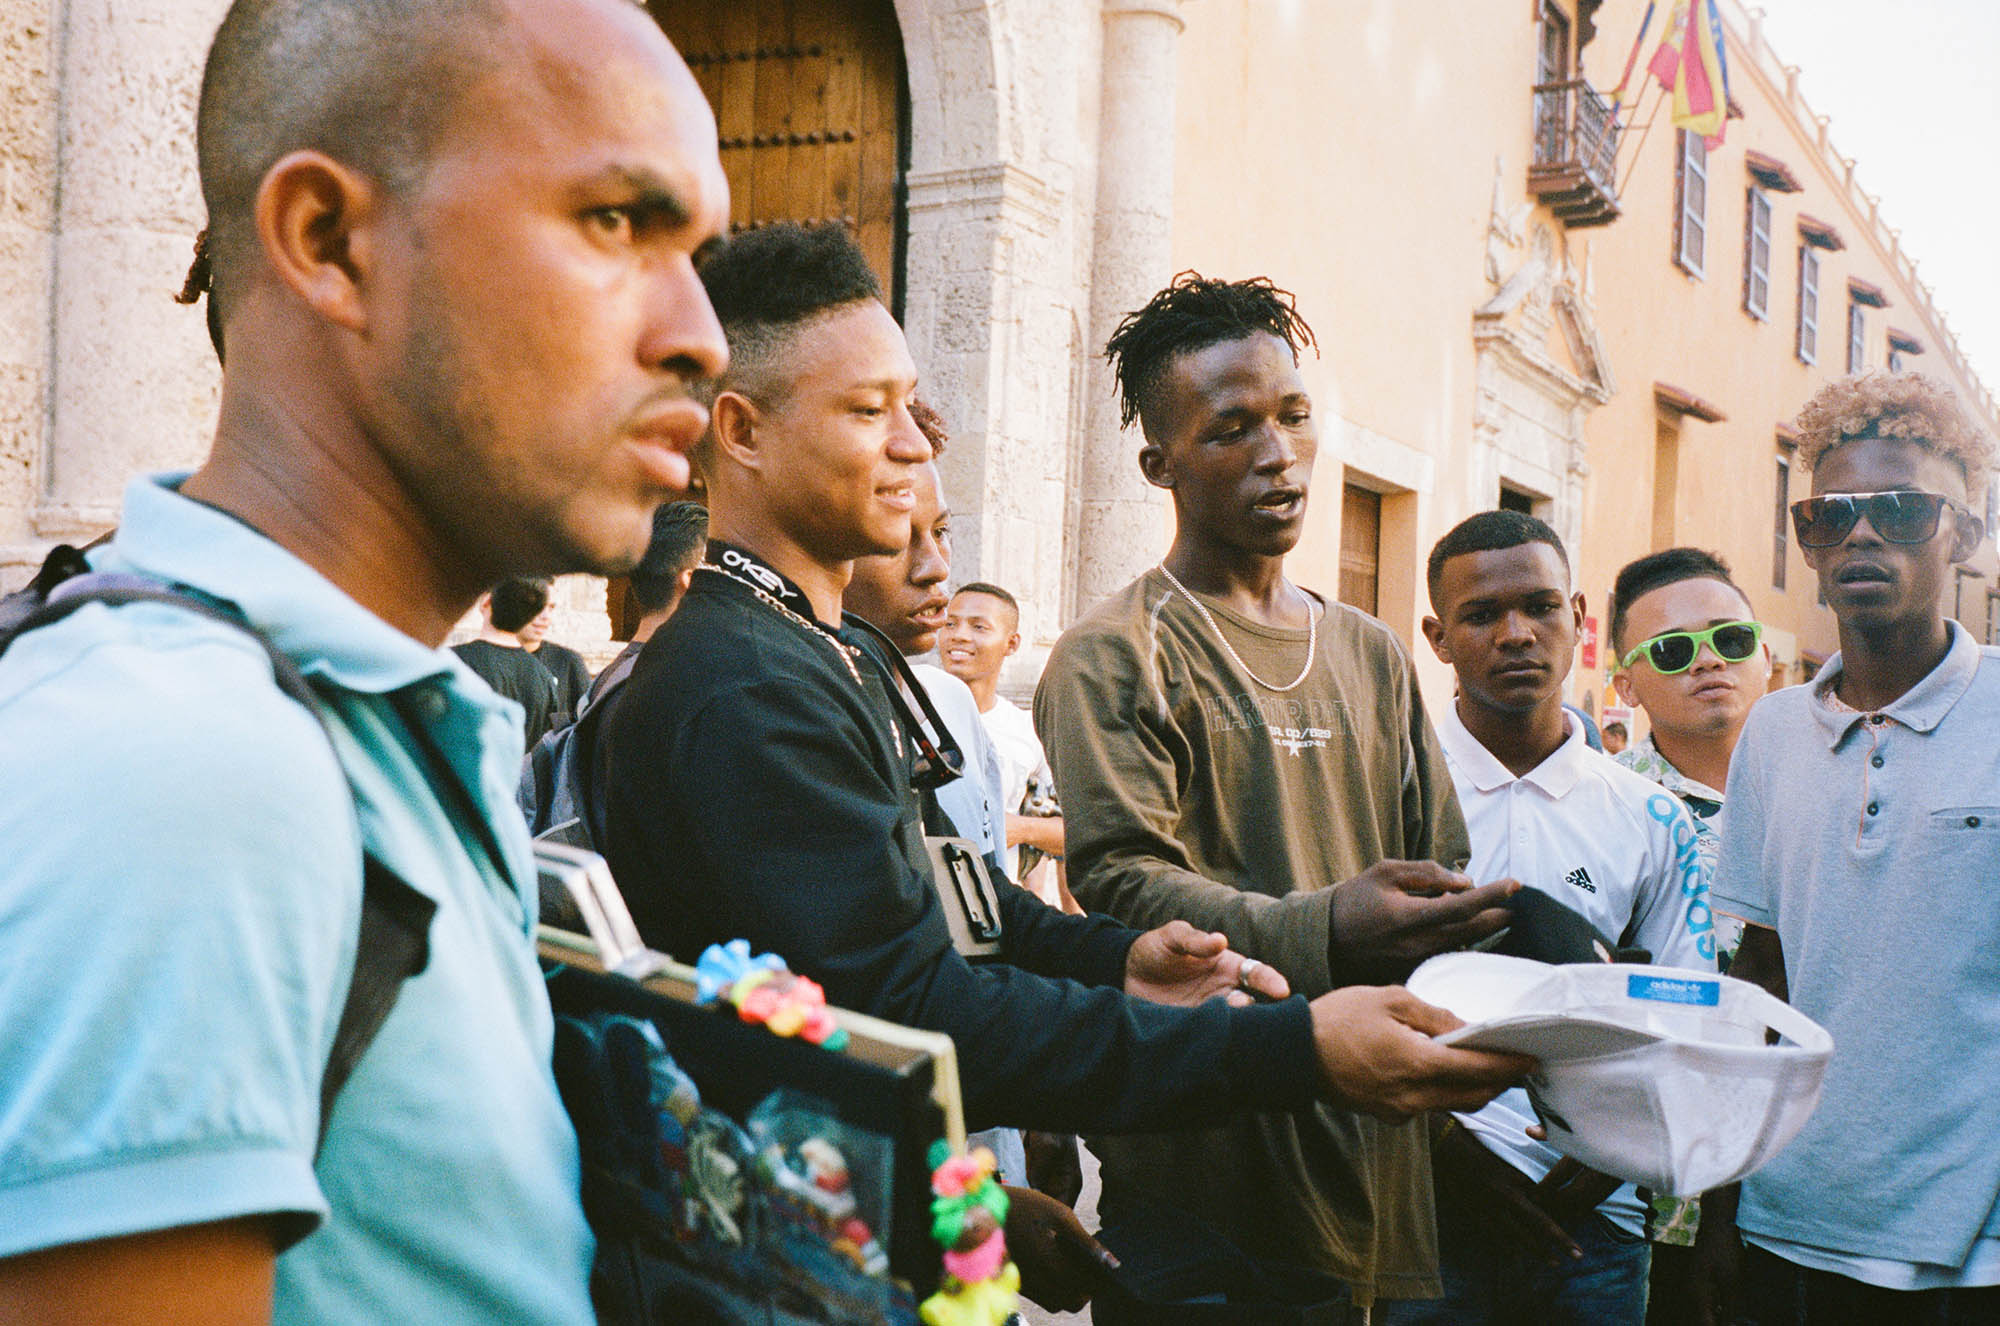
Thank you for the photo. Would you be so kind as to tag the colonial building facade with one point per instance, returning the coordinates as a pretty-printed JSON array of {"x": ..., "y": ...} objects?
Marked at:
[{"x": 1517, "y": 301}]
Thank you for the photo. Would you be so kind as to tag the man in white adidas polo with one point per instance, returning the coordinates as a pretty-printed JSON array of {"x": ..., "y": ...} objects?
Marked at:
[{"x": 1523, "y": 1233}]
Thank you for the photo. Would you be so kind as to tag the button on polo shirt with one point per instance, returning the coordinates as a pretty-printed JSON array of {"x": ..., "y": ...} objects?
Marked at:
[
  {"x": 1605, "y": 842},
  {"x": 181, "y": 891},
  {"x": 1882, "y": 880}
]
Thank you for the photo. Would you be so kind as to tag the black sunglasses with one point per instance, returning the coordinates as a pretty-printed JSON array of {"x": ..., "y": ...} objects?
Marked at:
[{"x": 1899, "y": 517}]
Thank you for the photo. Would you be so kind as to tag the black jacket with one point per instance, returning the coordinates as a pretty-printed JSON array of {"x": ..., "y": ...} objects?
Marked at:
[{"x": 756, "y": 790}]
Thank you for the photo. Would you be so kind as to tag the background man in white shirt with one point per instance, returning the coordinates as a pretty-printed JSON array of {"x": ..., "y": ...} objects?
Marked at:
[
  {"x": 982, "y": 630},
  {"x": 1524, "y": 1234}
]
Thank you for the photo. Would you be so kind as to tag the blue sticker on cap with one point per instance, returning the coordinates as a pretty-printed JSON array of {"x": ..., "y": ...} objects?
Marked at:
[{"x": 1671, "y": 990}]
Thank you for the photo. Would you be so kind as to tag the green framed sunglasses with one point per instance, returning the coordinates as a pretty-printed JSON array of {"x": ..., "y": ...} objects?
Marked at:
[{"x": 1673, "y": 652}]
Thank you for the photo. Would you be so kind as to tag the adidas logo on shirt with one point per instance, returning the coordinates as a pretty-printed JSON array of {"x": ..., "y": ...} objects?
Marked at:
[{"x": 1581, "y": 879}]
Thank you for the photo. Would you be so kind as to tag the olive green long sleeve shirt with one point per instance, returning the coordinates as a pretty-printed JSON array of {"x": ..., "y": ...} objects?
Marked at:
[{"x": 1192, "y": 790}]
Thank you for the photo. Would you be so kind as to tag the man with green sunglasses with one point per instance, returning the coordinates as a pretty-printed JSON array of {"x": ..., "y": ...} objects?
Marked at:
[{"x": 1691, "y": 655}]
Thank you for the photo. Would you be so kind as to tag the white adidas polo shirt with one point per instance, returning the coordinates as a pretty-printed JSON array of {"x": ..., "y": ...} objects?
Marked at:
[{"x": 1609, "y": 844}]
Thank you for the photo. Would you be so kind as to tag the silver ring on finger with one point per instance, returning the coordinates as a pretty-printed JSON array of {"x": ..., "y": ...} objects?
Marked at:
[{"x": 1249, "y": 969}]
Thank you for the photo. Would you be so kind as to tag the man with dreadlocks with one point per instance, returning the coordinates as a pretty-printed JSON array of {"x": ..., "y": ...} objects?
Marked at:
[{"x": 1230, "y": 748}]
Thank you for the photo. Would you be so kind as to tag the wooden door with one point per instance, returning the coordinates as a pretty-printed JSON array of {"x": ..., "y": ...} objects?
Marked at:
[
  {"x": 811, "y": 110},
  {"x": 1360, "y": 547}
]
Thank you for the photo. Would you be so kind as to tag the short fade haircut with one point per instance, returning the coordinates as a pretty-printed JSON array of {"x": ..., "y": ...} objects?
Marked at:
[
  {"x": 767, "y": 283},
  {"x": 1489, "y": 531},
  {"x": 992, "y": 591},
  {"x": 1614, "y": 726},
  {"x": 518, "y": 601},
  {"x": 1907, "y": 406},
  {"x": 680, "y": 532},
  {"x": 1191, "y": 314},
  {"x": 371, "y": 83},
  {"x": 1657, "y": 570}
]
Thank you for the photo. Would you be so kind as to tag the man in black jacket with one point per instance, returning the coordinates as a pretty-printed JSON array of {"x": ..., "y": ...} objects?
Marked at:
[{"x": 761, "y": 785}]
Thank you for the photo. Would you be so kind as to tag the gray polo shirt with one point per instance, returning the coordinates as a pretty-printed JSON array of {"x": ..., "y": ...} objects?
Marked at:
[{"x": 1871, "y": 843}]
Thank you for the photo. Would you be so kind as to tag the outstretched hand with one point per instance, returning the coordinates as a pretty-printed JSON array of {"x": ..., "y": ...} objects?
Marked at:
[
  {"x": 1061, "y": 1264},
  {"x": 1376, "y": 1055},
  {"x": 1394, "y": 914},
  {"x": 1178, "y": 964}
]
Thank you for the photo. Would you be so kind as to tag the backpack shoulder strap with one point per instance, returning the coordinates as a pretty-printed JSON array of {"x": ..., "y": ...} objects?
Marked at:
[{"x": 394, "y": 941}]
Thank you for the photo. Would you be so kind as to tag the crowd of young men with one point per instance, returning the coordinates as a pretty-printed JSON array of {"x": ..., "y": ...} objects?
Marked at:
[{"x": 1264, "y": 818}]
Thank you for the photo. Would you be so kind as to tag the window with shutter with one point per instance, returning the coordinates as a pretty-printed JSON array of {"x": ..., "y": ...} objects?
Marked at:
[
  {"x": 1757, "y": 255},
  {"x": 1782, "y": 532},
  {"x": 1808, "y": 305},
  {"x": 1691, "y": 199},
  {"x": 1857, "y": 337}
]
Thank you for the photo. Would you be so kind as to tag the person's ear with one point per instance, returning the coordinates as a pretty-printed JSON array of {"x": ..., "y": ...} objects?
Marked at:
[
  {"x": 320, "y": 225},
  {"x": 1576, "y": 608},
  {"x": 1434, "y": 632},
  {"x": 1155, "y": 465},
  {"x": 1621, "y": 681},
  {"x": 1013, "y": 643},
  {"x": 733, "y": 420},
  {"x": 682, "y": 581},
  {"x": 1967, "y": 531}
]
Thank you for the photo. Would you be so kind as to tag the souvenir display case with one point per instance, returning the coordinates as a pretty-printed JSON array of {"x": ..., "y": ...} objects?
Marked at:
[{"x": 734, "y": 1173}]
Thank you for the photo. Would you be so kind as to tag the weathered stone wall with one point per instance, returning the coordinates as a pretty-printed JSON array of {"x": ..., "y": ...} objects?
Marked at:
[
  {"x": 1003, "y": 111},
  {"x": 102, "y": 375},
  {"x": 28, "y": 104}
]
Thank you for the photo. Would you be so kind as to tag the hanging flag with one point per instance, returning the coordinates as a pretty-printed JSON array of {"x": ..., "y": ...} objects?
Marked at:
[
  {"x": 1666, "y": 62},
  {"x": 1625, "y": 79},
  {"x": 1701, "y": 87}
]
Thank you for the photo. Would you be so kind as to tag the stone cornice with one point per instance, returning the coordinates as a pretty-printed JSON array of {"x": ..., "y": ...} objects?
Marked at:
[{"x": 1000, "y": 185}]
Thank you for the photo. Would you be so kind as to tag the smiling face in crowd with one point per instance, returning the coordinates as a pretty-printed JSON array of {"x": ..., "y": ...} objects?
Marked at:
[
  {"x": 1231, "y": 433},
  {"x": 837, "y": 453},
  {"x": 902, "y": 593},
  {"x": 980, "y": 631},
  {"x": 1507, "y": 624}
]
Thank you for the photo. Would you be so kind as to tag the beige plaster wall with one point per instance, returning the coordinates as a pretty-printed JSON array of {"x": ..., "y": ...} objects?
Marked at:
[
  {"x": 1346, "y": 150},
  {"x": 1664, "y": 325}
]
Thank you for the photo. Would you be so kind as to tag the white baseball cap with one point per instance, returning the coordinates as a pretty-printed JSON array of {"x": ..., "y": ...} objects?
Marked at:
[{"x": 1659, "y": 1075}]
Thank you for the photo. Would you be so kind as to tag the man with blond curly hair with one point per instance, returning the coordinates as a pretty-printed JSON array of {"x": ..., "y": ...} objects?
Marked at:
[{"x": 1861, "y": 849}]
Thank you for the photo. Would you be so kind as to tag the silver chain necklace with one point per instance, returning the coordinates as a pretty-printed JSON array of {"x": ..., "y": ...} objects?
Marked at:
[
  {"x": 1312, "y": 637},
  {"x": 846, "y": 651}
]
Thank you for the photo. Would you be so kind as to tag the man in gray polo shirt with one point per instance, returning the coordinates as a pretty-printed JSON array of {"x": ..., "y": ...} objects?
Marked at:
[{"x": 1863, "y": 849}]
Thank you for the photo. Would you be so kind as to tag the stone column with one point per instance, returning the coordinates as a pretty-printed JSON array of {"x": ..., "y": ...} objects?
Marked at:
[
  {"x": 133, "y": 382},
  {"x": 28, "y": 104},
  {"x": 1121, "y": 523}
]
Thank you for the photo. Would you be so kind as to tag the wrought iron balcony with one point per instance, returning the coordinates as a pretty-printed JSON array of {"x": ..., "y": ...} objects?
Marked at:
[{"x": 1575, "y": 169}]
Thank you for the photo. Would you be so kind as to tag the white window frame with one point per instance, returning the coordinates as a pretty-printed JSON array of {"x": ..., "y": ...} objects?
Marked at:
[
  {"x": 1757, "y": 255},
  {"x": 1857, "y": 336},
  {"x": 1691, "y": 195},
  {"x": 1808, "y": 339}
]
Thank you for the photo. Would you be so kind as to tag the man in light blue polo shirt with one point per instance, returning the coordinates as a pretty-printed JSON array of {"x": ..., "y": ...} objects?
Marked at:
[
  {"x": 1863, "y": 849},
  {"x": 456, "y": 351}
]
